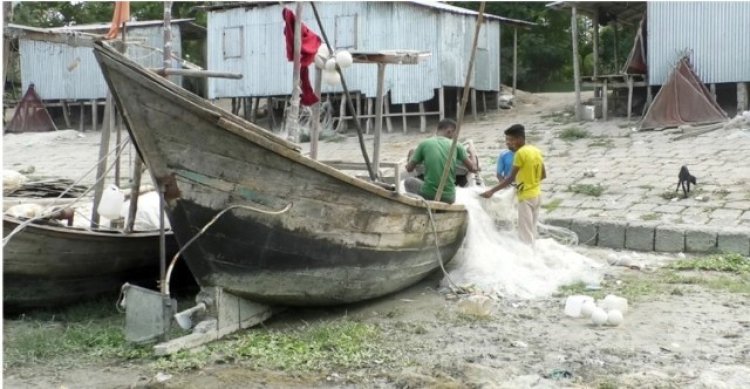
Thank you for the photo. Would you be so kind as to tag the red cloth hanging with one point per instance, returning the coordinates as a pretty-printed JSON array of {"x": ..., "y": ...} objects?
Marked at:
[{"x": 310, "y": 44}]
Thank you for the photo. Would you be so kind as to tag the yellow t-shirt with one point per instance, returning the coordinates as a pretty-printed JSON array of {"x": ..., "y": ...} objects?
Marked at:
[{"x": 529, "y": 161}]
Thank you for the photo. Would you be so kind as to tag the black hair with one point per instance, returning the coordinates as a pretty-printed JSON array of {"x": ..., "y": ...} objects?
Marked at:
[
  {"x": 446, "y": 124},
  {"x": 516, "y": 130}
]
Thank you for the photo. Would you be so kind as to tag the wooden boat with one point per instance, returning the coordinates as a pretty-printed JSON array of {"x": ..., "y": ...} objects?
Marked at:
[
  {"x": 343, "y": 239},
  {"x": 46, "y": 265}
]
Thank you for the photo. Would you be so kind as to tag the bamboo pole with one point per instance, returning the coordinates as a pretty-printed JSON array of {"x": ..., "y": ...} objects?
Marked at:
[
  {"x": 292, "y": 117},
  {"x": 515, "y": 59},
  {"x": 576, "y": 66},
  {"x": 454, "y": 145},
  {"x": 378, "y": 118},
  {"x": 101, "y": 170}
]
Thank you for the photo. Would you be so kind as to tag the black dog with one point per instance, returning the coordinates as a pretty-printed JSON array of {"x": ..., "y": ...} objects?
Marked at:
[{"x": 685, "y": 180}]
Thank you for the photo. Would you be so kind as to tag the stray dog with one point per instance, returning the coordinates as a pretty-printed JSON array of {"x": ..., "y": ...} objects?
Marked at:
[{"x": 685, "y": 180}]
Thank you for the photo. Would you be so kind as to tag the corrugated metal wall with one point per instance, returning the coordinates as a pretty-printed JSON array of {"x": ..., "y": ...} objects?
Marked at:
[
  {"x": 379, "y": 26},
  {"x": 717, "y": 33},
  {"x": 59, "y": 71}
]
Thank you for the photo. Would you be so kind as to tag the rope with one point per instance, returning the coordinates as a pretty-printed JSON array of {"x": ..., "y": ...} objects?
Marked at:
[
  {"x": 51, "y": 210},
  {"x": 168, "y": 275},
  {"x": 454, "y": 287}
]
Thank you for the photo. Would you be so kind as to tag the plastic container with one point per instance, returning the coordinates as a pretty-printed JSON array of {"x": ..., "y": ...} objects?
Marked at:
[
  {"x": 612, "y": 302},
  {"x": 110, "y": 205},
  {"x": 574, "y": 303}
]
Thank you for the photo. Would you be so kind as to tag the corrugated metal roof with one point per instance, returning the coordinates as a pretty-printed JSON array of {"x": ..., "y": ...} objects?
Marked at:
[
  {"x": 716, "y": 34},
  {"x": 130, "y": 24}
]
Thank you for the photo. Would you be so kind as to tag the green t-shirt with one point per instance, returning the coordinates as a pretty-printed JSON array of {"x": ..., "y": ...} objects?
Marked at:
[{"x": 433, "y": 153}]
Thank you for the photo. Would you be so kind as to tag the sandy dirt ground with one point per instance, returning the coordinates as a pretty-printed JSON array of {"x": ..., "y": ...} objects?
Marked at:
[{"x": 688, "y": 336}]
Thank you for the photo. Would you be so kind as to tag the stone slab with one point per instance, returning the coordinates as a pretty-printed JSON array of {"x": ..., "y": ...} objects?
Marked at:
[
  {"x": 586, "y": 231},
  {"x": 669, "y": 239},
  {"x": 734, "y": 240},
  {"x": 640, "y": 236},
  {"x": 612, "y": 234},
  {"x": 700, "y": 239}
]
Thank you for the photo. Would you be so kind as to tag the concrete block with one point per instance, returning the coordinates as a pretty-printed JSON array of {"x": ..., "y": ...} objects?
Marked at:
[
  {"x": 640, "y": 236},
  {"x": 734, "y": 240},
  {"x": 612, "y": 234},
  {"x": 700, "y": 239},
  {"x": 669, "y": 239},
  {"x": 586, "y": 231},
  {"x": 557, "y": 222}
]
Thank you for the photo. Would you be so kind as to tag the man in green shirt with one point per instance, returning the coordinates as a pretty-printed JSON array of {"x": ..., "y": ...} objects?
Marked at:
[{"x": 433, "y": 153}]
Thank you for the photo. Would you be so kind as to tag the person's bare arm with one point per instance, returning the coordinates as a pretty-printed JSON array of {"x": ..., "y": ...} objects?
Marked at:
[
  {"x": 470, "y": 164},
  {"x": 410, "y": 166},
  {"x": 503, "y": 184}
]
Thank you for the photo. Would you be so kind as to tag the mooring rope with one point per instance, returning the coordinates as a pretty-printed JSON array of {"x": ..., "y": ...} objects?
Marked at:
[{"x": 454, "y": 287}]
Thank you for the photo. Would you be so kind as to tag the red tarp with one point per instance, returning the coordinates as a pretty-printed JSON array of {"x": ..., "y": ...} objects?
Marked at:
[
  {"x": 681, "y": 100},
  {"x": 636, "y": 63},
  {"x": 31, "y": 115}
]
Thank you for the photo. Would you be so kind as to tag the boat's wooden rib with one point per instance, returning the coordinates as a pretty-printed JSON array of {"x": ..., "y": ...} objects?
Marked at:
[{"x": 343, "y": 240}]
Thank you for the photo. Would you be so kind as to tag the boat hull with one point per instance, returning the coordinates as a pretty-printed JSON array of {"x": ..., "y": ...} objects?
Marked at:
[
  {"x": 340, "y": 240},
  {"x": 48, "y": 266}
]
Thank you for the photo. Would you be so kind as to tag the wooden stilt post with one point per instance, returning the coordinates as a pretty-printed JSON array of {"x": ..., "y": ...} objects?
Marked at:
[
  {"x": 403, "y": 117},
  {"x": 441, "y": 102},
  {"x": 66, "y": 114},
  {"x": 378, "y": 119},
  {"x": 315, "y": 125},
  {"x": 515, "y": 59},
  {"x": 83, "y": 117},
  {"x": 458, "y": 102},
  {"x": 269, "y": 110},
  {"x": 101, "y": 170},
  {"x": 292, "y": 116},
  {"x": 595, "y": 22},
  {"x": 605, "y": 101},
  {"x": 387, "y": 109},
  {"x": 359, "y": 108},
  {"x": 484, "y": 103},
  {"x": 712, "y": 87},
  {"x": 256, "y": 106},
  {"x": 630, "y": 96},
  {"x": 94, "y": 115},
  {"x": 368, "y": 121},
  {"x": 742, "y": 97},
  {"x": 422, "y": 118},
  {"x": 474, "y": 104},
  {"x": 576, "y": 66},
  {"x": 342, "y": 113}
]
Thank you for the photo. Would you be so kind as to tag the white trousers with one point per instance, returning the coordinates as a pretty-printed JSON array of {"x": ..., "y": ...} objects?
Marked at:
[{"x": 528, "y": 217}]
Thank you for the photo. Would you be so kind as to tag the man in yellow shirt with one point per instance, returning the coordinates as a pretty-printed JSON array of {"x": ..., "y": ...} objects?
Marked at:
[{"x": 528, "y": 172}]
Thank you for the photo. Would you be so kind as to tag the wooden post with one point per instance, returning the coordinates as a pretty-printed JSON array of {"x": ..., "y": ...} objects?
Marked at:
[
  {"x": 595, "y": 22},
  {"x": 441, "y": 102},
  {"x": 378, "y": 118},
  {"x": 135, "y": 191},
  {"x": 315, "y": 125},
  {"x": 359, "y": 108},
  {"x": 101, "y": 170},
  {"x": 368, "y": 121},
  {"x": 118, "y": 138},
  {"x": 94, "y": 115},
  {"x": 83, "y": 112},
  {"x": 387, "y": 109},
  {"x": 422, "y": 118},
  {"x": 403, "y": 118},
  {"x": 617, "y": 42},
  {"x": 713, "y": 91},
  {"x": 342, "y": 113},
  {"x": 66, "y": 114},
  {"x": 484, "y": 103},
  {"x": 515, "y": 59},
  {"x": 630, "y": 96},
  {"x": 742, "y": 97},
  {"x": 459, "y": 98},
  {"x": 292, "y": 117},
  {"x": 474, "y": 104},
  {"x": 605, "y": 99},
  {"x": 269, "y": 110},
  {"x": 576, "y": 66},
  {"x": 256, "y": 106}
]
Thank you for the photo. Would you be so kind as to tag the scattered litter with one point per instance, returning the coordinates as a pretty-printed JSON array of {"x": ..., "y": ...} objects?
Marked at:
[
  {"x": 162, "y": 377},
  {"x": 476, "y": 305},
  {"x": 519, "y": 344},
  {"x": 558, "y": 374},
  {"x": 574, "y": 304},
  {"x": 590, "y": 172}
]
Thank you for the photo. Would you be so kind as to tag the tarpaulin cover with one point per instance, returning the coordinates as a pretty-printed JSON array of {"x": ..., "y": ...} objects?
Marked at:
[
  {"x": 636, "y": 63},
  {"x": 683, "y": 99},
  {"x": 31, "y": 115}
]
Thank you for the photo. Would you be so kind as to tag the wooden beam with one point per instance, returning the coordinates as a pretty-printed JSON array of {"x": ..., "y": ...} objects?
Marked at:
[
  {"x": 630, "y": 97},
  {"x": 576, "y": 66},
  {"x": 292, "y": 117},
  {"x": 195, "y": 73},
  {"x": 315, "y": 125},
  {"x": 378, "y": 118},
  {"x": 101, "y": 170}
]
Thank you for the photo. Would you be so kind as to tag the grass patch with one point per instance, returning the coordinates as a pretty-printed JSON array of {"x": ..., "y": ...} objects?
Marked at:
[
  {"x": 552, "y": 205},
  {"x": 732, "y": 263},
  {"x": 587, "y": 189},
  {"x": 669, "y": 195},
  {"x": 334, "y": 345},
  {"x": 573, "y": 133},
  {"x": 602, "y": 143},
  {"x": 650, "y": 216}
]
